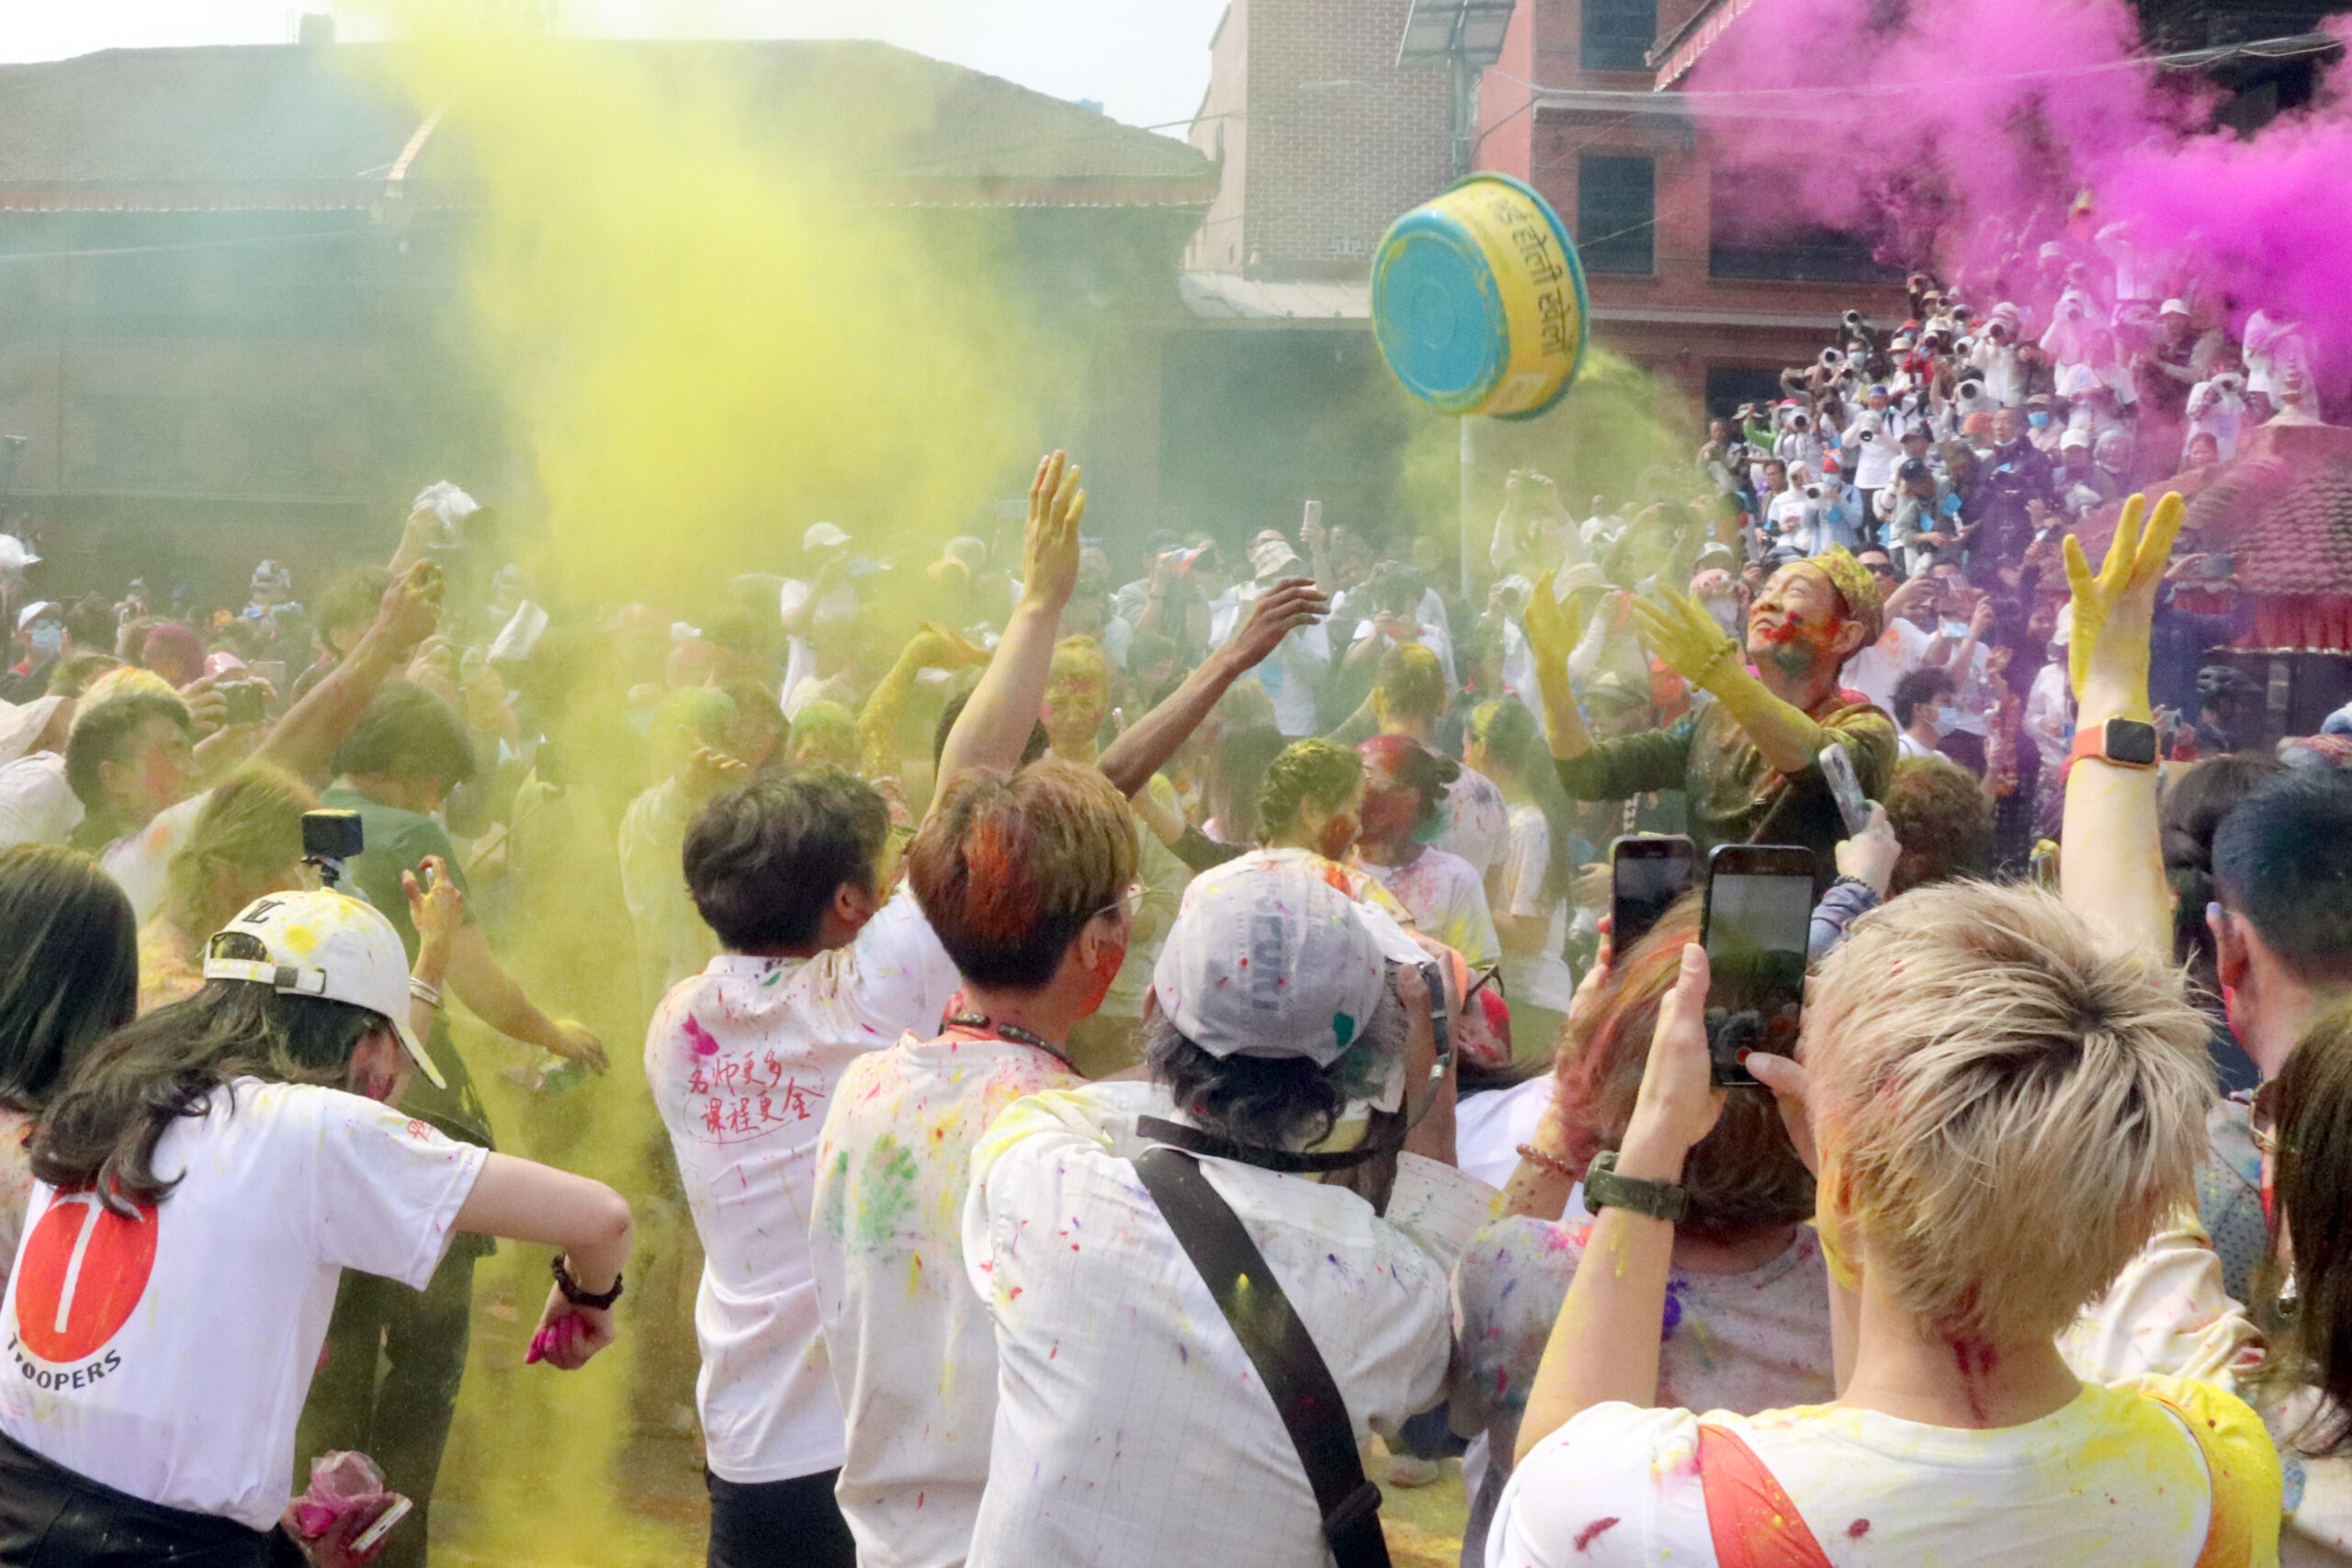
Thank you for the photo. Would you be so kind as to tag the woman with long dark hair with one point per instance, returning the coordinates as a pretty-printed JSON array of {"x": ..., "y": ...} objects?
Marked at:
[
  {"x": 205, "y": 1177},
  {"x": 69, "y": 974}
]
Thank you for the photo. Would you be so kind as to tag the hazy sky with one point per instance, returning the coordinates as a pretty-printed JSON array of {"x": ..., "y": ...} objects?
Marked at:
[{"x": 1145, "y": 60}]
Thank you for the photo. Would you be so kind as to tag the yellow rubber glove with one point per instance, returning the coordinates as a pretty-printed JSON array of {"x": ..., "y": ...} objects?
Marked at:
[
  {"x": 1553, "y": 629},
  {"x": 1676, "y": 627},
  {"x": 2114, "y": 609}
]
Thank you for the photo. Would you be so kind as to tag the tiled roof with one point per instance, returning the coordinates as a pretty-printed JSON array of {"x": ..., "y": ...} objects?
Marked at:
[
  {"x": 2283, "y": 509},
  {"x": 289, "y": 125}
]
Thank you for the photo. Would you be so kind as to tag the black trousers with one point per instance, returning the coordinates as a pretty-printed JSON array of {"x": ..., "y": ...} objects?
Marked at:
[
  {"x": 778, "y": 1524},
  {"x": 395, "y": 1358},
  {"x": 54, "y": 1517}
]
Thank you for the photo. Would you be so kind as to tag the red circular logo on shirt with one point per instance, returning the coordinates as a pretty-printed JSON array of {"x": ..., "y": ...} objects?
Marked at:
[{"x": 81, "y": 1275}]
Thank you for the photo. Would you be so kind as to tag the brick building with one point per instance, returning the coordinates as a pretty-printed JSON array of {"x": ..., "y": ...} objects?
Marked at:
[
  {"x": 1324, "y": 138},
  {"x": 1686, "y": 279}
]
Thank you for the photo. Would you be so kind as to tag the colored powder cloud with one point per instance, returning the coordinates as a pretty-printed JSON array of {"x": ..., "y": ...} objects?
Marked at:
[{"x": 1971, "y": 127}]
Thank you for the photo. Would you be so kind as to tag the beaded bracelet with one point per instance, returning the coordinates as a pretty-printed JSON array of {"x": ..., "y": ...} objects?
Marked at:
[{"x": 1552, "y": 1163}]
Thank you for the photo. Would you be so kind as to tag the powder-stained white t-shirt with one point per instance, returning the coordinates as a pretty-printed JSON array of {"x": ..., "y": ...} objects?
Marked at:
[
  {"x": 167, "y": 1352},
  {"x": 140, "y": 861},
  {"x": 2113, "y": 1480},
  {"x": 1131, "y": 1428},
  {"x": 1447, "y": 899},
  {"x": 743, "y": 1060},
  {"x": 912, "y": 1347}
]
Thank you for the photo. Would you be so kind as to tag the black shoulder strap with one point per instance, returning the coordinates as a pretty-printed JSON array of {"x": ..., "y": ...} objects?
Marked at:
[{"x": 1289, "y": 1365}]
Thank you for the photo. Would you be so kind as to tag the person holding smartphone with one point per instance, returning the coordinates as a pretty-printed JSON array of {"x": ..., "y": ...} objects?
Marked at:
[
  {"x": 1749, "y": 761},
  {"x": 1964, "y": 1056}
]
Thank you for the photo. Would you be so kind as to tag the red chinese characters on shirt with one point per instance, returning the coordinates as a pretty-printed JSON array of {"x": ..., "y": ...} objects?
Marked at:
[{"x": 742, "y": 1094}]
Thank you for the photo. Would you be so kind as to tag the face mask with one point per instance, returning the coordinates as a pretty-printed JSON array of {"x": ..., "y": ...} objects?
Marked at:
[
  {"x": 47, "y": 639},
  {"x": 2038, "y": 420},
  {"x": 1947, "y": 720}
]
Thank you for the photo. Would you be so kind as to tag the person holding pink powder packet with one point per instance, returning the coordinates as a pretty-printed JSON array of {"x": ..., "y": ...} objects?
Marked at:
[{"x": 202, "y": 1182}]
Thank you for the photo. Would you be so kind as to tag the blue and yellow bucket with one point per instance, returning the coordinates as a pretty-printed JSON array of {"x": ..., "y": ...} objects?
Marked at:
[{"x": 1478, "y": 300}]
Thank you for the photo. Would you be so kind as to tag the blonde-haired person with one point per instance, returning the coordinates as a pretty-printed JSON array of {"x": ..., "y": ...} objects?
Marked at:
[
  {"x": 247, "y": 843},
  {"x": 244, "y": 844},
  {"x": 2001, "y": 1108}
]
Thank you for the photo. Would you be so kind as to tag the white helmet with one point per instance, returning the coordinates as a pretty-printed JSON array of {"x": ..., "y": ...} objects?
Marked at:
[{"x": 326, "y": 944}]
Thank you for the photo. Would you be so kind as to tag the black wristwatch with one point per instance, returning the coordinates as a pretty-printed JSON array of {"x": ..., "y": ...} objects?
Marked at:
[{"x": 1604, "y": 1189}]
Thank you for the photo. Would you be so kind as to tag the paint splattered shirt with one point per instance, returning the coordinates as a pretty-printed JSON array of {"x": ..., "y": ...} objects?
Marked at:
[
  {"x": 1131, "y": 1429},
  {"x": 1448, "y": 901},
  {"x": 1747, "y": 1342},
  {"x": 912, "y": 1347},
  {"x": 2112, "y": 1480},
  {"x": 743, "y": 1060},
  {"x": 1477, "y": 821}
]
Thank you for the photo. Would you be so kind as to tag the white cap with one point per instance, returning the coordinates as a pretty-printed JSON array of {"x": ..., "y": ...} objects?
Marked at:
[
  {"x": 34, "y": 610},
  {"x": 824, "y": 537},
  {"x": 1268, "y": 959},
  {"x": 1270, "y": 558},
  {"x": 2173, "y": 308},
  {"x": 2075, "y": 436},
  {"x": 326, "y": 944}
]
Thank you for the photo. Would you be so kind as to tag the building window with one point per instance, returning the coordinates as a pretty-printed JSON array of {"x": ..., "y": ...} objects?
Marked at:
[
  {"x": 1618, "y": 34},
  {"x": 1728, "y": 386},
  {"x": 1616, "y": 213},
  {"x": 1750, "y": 235}
]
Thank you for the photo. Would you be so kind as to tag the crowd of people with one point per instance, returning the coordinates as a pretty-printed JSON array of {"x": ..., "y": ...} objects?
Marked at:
[{"x": 1123, "y": 1044}]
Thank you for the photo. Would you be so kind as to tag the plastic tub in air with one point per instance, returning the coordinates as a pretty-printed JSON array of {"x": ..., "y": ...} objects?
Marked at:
[{"x": 1478, "y": 300}]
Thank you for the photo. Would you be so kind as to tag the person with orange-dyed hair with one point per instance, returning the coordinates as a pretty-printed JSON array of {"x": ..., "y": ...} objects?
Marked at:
[{"x": 1025, "y": 878}]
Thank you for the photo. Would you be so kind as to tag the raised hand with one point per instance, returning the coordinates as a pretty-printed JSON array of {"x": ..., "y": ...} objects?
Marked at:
[
  {"x": 944, "y": 649},
  {"x": 2114, "y": 609},
  {"x": 1676, "y": 628},
  {"x": 1290, "y": 604},
  {"x": 1677, "y": 1101},
  {"x": 709, "y": 773},
  {"x": 1553, "y": 629},
  {"x": 411, "y": 610},
  {"x": 1049, "y": 548},
  {"x": 435, "y": 908}
]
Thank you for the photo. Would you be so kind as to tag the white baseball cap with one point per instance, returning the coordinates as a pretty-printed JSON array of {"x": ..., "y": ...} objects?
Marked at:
[
  {"x": 36, "y": 610},
  {"x": 2173, "y": 308},
  {"x": 1266, "y": 958},
  {"x": 326, "y": 944},
  {"x": 824, "y": 537}
]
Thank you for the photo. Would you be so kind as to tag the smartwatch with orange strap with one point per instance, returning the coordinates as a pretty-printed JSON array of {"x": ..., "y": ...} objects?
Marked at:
[{"x": 2120, "y": 742}]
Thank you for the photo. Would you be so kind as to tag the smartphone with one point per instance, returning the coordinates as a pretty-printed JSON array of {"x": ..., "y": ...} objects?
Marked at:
[
  {"x": 1646, "y": 873},
  {"x": 1838, "y": 767},
  {"x": 1314, "y": 516},
  {"x": 366, "y": 1540},
  {"x": 331, "y": 835},
  {"x": 1757, "y": 924},
  {"x": 244, "y": 702}
]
